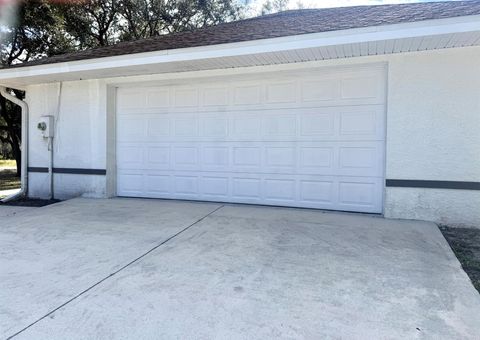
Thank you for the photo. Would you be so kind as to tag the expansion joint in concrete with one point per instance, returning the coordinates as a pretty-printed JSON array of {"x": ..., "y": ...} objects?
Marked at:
[{"x": 115, "y": 272}]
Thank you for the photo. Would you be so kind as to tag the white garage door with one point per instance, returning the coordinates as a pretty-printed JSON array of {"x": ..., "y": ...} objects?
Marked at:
[{"x": 304, "y": 139}]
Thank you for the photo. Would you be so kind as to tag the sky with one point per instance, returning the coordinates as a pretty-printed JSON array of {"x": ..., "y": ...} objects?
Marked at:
[
  {"x": 256, "y": 5},
  {"x": 342, "y": 3}
]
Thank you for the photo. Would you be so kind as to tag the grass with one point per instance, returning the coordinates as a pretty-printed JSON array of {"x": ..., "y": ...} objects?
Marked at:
[
  {"x": 9, "y": 179},
  {"x": 465, "y": 243},
  {"x": 8, "y": 175},
  {"x": 7, "y": 163}
]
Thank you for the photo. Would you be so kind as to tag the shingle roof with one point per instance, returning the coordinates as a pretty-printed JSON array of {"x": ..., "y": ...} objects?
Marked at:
[{"x": 282, "y": 24}]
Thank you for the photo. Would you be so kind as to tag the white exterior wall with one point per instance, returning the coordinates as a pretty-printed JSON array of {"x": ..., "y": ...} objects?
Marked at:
[
  {"x": 433, "y": 131},
  {"x": 79, "y": 140}
]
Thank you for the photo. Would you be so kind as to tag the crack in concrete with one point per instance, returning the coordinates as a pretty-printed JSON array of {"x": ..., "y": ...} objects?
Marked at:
[{"x": 115, "y": 272}]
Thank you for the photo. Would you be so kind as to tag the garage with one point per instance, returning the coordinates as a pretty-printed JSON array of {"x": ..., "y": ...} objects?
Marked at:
[{"x": 312, "y": 138}]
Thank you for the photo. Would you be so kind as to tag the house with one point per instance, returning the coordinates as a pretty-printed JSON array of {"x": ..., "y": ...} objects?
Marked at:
[{"x": 371, "y": 109}]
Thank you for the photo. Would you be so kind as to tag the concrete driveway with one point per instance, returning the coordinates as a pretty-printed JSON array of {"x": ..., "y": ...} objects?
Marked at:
[{"x": 152, "y": 269}]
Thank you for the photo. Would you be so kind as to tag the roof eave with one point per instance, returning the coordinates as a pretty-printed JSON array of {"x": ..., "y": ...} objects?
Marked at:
[{"x": 141, "y": 63}]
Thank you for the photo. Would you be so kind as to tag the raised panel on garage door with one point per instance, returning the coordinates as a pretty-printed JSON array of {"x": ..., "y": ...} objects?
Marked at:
[{"x": 311, "y": 139}]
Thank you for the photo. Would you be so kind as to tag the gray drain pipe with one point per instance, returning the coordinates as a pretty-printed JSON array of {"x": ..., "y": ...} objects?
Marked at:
[{"x": 24, "y": 145}]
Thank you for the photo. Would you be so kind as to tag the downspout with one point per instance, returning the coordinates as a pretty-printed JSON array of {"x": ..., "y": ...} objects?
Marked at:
[{"x": 23, "y": 146}]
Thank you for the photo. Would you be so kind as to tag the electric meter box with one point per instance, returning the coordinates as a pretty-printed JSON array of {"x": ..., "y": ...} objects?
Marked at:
[{"x": 45, "y": 125}]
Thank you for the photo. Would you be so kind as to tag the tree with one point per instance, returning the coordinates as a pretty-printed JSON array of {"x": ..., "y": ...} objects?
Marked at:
[
  {"x": 10, "y": 128},
  {"x": 273, "y": 6},
  {"x": 95, "y": 23},
  {"x": 35, "y": 34},
  {"x": 91, "y": 23}
]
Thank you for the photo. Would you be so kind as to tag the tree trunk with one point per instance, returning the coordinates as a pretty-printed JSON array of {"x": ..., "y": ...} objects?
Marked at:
[
  {"x": 17, "y": 152},
  {"x": 10, "y": 115}
]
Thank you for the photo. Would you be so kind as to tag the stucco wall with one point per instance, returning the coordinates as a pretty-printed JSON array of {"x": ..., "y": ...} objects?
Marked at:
[
  {"x": 79, "y": 138},
  {"x": 433, "y": 132}
]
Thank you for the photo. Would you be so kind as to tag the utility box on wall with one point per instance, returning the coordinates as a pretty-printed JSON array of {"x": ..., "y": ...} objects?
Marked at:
[{"x": 45, "y": 125}]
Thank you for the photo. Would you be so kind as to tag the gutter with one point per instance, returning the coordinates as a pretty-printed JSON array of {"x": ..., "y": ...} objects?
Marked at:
[{"x": 23, "y": 146}]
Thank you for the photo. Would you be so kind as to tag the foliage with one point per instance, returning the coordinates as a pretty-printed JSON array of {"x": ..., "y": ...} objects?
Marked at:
[
  {"x": 272, "y": 6},
  {"x": 95, "y": 23},
  {"x": 146, "y": 18},
  {"x": 35, "y": 34}
]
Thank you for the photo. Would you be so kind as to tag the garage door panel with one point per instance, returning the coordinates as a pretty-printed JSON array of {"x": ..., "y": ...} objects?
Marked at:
[
  {"x": 158, "y": 157},
  {"x": 361, "y": 122},
  {"x": 247, "y": 94},
  {"x": 320, "y": 90},
  {"x": 308, "y": 140},
  {"x": 131, "y": 129},
  {"x": 130, "y": 184},
  {"x": 245, "y": 127},
  {"x": 186, "y": 186},
  {"x": 323, "y": 192},
  {"x": 280, "y": 190},
  {"x": 301, "y": 158},
  {"x": 246, "y": 188},
  {"x": 360, "y": 159},
  {"x": 158, "y": 128},
  {"x": 215, "y": 157},
  {"x": 279, "y": 126},
  {"x": 214, "y": 187},
  {"x": 185, "y": 157},
  {"x": 247, "y": 158},
  {"x": 316, "y": 158},
  {"x": 280, "y": 157},
  {"x": 184, "y": 97},
  {"x": 185, "y": 126},
  {"x": 365, "y": 87},
  {"x": 131, "y": 98},
  {"x": 360, "y": 194},
  {"x": 158, "y": 98},
  {"x": 158, "y": 184},
  {"x": 321, "y": 124},
  {"x": 130, "y": 156},
  {"x": 317, "y": 124},
  {"x": 347, "y": 88},
  {"x": 307, "y": 92},
  {"x": 214, "y": 126},
  {"x": 317, "y": 191},
  {"x": 215, "y": 96},
  {"x": 281, "y": 92}
]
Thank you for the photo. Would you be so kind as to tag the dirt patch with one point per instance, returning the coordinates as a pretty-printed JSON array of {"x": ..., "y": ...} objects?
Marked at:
[
  {"x": 9, "y": 179},
  {"x": 465, "y": 243},
  {"x": 30, "y": 202}
]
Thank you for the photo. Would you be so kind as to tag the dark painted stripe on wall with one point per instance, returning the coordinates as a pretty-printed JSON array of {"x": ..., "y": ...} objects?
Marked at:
[
  {"x": 413, "y": 183},
  {"x": 73, "y": 171},
  {"x": 79, "y": 171},
  {"x": 393, "y": 183},
  {"x": 37, "y": 169}
]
